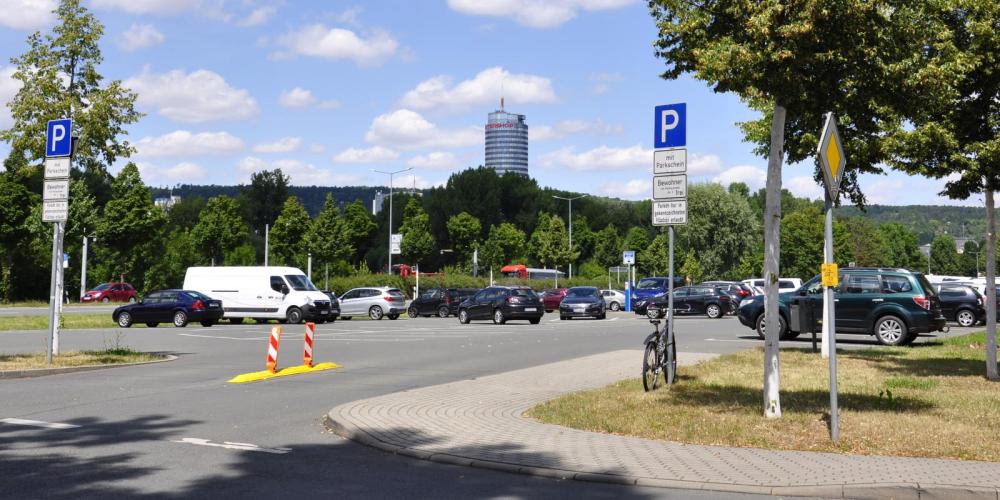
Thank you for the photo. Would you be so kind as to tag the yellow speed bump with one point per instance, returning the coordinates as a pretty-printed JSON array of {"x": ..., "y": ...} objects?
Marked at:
[{"x": 284, "y": 372}]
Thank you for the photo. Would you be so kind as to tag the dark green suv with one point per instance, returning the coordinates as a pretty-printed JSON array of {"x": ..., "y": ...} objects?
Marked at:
[{"x": 894, "y": 305}]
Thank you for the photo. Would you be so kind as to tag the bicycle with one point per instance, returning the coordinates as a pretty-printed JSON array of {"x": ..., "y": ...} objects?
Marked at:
[{"x": 660, "y": 354}]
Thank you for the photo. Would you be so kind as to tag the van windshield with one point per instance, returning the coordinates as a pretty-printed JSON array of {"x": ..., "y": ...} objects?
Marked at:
[
  {"x": 648, "y": 284},
  {"x": 300, "y": 283}
]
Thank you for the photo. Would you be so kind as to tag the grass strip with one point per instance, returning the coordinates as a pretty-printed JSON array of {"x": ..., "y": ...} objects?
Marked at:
[
  {"x": 927, "y": 400},
  {"x": 69, "y": 321},
  {"x": 111, "y": 356}
]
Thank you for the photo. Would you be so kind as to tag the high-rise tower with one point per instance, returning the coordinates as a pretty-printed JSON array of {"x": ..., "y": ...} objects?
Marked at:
[{"x": 507, "y": 142}]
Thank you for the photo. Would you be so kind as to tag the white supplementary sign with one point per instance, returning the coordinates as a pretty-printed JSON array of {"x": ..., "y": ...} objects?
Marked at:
[
  {"x": 628, "y": 257},
  {"x": 56, "y": 168},
  {"x": 55, "y": 211},
  {"x": 669, "y": 213},
  {"x": 670, "y": 161},
  {"x": 667, "y": 187},
  {"x": 395, "y": 244},
  {"x": 56, "y": 189}
]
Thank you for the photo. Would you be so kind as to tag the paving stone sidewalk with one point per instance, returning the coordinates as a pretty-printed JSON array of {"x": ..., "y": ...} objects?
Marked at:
[{"x": 479, "y": 423}]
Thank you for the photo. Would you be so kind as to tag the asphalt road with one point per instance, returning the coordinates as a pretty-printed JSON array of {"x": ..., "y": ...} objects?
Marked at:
[{"x": 177, "y": 429}]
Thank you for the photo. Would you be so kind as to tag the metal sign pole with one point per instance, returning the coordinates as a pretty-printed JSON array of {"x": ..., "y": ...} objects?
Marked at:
[
  {"x": 53, "y": 314},
  {"x": 670, "y": 299},
  {"x": 830, "y": 320}
]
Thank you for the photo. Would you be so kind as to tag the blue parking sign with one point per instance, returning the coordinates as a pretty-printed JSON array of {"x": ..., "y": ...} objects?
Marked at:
[
  {"x": 670, "y": 126},
  {"x": 59, "y": 137}
]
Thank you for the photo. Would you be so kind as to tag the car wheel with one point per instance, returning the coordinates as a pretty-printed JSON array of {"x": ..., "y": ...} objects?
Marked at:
[
  {"x": 761, "y": 325},
  {"x": 131, "y": 300},
  {"x": 891, "y": 330},
  {"x": 713, "y": 311},
  {"x": 412, "y": 312},
  {"x": 443, "y": 312},
  {"x": 152, "y": 325},
  {"x": 616, "y": 306},
  {"x": 563, "y": 318},
  {"x": 535, "y": 321},
  {"x": 180, "y": 319},
  {"x": 375, "y": 312},
  {"x": 965, "y": 317},
  {"x": 105, "y": 300},
  {"x": 125, "y": 319},
  {"x": 392, "y": 316},
  {"x": 294, "y": 315},
  {"x": 602, "y": 315},
  {"x": 207, "y": 324},
  {"x": 498, "y": 317},
  {"x": 463, "y": 316}
]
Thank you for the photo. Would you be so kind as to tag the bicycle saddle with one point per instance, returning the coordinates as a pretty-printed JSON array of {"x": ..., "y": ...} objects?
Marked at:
[{"x": 654, "y": 321}]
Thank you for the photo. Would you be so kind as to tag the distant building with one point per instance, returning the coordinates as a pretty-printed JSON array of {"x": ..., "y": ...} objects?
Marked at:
[
  {"x": 377, "y": 202},
  {"x": 507, "y": 142},
  {"x": 167, "y": 202}
]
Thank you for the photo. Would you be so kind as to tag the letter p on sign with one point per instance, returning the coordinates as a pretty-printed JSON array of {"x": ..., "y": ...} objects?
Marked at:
[
  {"x": 57, "y": 138},
  {"x": 670, "y": 126}
]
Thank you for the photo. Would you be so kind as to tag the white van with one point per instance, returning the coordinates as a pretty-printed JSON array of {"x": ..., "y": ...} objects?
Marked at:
[
  {"x": 784, "y": 285},
  {"x": 281, "y": 293}
]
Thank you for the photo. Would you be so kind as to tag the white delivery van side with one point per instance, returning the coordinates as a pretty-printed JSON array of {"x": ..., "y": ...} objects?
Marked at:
[{"x": 282, "y": 293}]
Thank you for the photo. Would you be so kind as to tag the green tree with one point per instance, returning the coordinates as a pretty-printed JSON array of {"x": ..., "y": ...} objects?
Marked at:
[
  {"x": 463, "y": 231},
  {"x": 82, "y": 219},
  {"x": 264, "y": 198},
  {"x": 944, "y": 256},
  {"x": 417, "y": 242},
  {"x": 286, "y": 239},
  {"x": 901, "y": 246},
  {"x": 656, "y": 256},
  {"x": 607, "y": 248},
  {"x": 168, "y": 270},
  {"x": 219, "y": 230},
  {"x": 550, "y": 242},
  {"x": 15, "y": 208},
  {"x": 59, "y": 78},
  {"x": 721, "y": 227},
  {"x": 636, "y": 240},
  {"x": 863, "y": 244},
  {"x": 327, "y": 238},
  {"x": 968, "y": 261},
  {"x": 691, "y": 270},
  {"x": 504, "y": 245},
  {"x": 186, "y": 212},
  {"x": 130, "y": 229},
  {"x": 358, "y": 228}
]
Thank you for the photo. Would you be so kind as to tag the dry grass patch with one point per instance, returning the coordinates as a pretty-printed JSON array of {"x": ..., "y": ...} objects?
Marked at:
[
  {"x": 929, "y": 400},
  {"x": 113, "y": 356}
]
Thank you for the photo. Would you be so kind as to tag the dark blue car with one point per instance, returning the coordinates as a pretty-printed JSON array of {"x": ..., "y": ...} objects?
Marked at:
[
  {"x": 175, "y": 306},
  {"x": 648, "y": 288}
]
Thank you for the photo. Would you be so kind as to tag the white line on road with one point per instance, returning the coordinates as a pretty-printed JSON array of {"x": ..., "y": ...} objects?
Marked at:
[
  {"x": 38, "y": 423},
  {"x": 234, "y": 446},
  {"x": 733, "y": 340}
]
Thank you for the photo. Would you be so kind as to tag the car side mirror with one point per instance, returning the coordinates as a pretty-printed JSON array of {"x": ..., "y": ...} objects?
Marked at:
[{"x": 284, "y": 289}]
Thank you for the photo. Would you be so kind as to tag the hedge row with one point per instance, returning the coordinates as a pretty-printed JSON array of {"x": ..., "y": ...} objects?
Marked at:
[{"x": 341, "y": 284}]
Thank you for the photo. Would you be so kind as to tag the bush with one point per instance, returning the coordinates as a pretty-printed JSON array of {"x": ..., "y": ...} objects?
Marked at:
[{"x": 341, "y": 284}]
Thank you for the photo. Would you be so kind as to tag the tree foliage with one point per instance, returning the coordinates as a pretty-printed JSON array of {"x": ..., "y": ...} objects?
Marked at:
[
  {"x": 327, "y": 238},
  {"x": 463, "y": 231},
  {"x": 130, "y": 229},
  {"x": 416, "y": 230},
  {"x": 219, "y": 230},
  {"x": 504, "y": 245},
  {"x": 286, "y": 239},
  {"x": 549, "y": 244},
  {"x": 265, "y": 197}
]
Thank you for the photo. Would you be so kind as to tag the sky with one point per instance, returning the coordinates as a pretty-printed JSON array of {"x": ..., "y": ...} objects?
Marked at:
[{"x": 329, "y": 91}]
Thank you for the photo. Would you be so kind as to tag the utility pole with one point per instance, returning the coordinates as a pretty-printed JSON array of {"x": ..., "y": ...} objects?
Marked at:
[
  {"x": 83, "y": 266},
  {"x": 570, "y": 200},
  {"x": 391, "y": 175},
  {"x": 267, "y": 230}
]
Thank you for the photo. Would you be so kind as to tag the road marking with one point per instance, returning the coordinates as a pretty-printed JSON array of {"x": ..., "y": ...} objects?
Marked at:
[
  {"x": 38, "y": 423},
  {"x": 614, "y": 319},
  {"x": 234, "y": 446},
  {"x": 733, "y": 340},
  {"x": 261, "y": 339}
]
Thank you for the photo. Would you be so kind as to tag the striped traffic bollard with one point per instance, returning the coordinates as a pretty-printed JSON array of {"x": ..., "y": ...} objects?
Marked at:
[
  {"x": 307, "y": 354},
  {"x": 272, "y": 349}
]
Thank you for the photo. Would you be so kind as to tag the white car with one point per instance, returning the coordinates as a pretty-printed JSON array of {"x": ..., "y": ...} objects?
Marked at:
[
  {"x": 614, "y": 299},
  {"x": 784, "y": 285}
]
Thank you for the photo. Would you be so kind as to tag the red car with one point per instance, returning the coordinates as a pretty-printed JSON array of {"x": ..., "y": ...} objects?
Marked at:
[
  {"x": 552, "y": 297},
  {"x": 110, "y": 292}
]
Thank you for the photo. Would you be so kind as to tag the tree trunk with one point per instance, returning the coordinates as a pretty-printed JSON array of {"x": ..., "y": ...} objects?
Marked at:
[
  {"x": 991, "y": 290},
  {"x": 772, "y": 251}
]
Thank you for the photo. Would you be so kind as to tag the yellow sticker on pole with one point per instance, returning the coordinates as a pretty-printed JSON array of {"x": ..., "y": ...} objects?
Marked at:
[{"x": 829, "y": 272}]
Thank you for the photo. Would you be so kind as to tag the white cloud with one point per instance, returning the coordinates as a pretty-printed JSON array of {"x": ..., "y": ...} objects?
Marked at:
[
  {"x": 296, "y": 98},
  {"x": 195, "y": 97},
  {"x": 184, "y": 143},
  {"x": 317, "y": 40},
  {"x": 438, "y": 160},
  {"x": 27, "y": 14},
  {"x": 534, "y": 13},
  {"x": 374, "y": 154},
  {"x": 571, "y": 127},
  {"x": 406, "y": 129},
  {"x": 317, "y": 148},
  {"x": 160, "y": 7},
  {"x": 181, "y": 172},
  {"x": 299, "y": 172},
  {"x": 633, "y": 189},
  {"x": 439, "y": 93},
  {"x": 140, "y": 36},
  {"x": 804, "y": 187},
  {"x": 754, "y": 177},
  {"x": 8, "y": 89},
  {"x": 603, "y": 81},
  {"x": 259, "y": 16},
  {"x": 330, "y": 104},
  {"x": 599, "y": 158},
  {"x": 704, "y": 164},
  {"x": 415, "y": 181},
  {"x": 350, "y": 16},
  {"x": 283, "y": 145}
]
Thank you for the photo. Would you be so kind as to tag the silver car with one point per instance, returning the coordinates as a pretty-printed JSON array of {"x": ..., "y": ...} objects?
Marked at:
[
  {"x": 376, "y": 302},
  {"x": 614, "y": 299}
]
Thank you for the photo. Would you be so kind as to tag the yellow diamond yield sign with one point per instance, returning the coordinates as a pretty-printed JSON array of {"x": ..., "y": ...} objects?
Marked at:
[{"x": 831, "y": 156}]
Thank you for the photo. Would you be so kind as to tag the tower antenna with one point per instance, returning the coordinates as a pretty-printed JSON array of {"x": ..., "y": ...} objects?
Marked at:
[{"x": 501, "y": 91}]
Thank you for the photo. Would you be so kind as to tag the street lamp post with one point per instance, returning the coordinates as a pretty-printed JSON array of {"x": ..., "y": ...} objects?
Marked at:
[
  {"x": 570, "y": 200},
  {"x": 391, "y": 174}
]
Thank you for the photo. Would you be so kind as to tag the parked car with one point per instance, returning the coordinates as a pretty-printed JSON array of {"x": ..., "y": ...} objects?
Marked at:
[
  {"x": 614, "y": 299},
  {"x": 784, "y": 285},
  {"x": 894, "y": 305},
  {"x": 442, "y": 302},
  {"x": 261, "y": 293},
  {"x": 111, "y": 292},
  {"x": 648, "y": 288},
  {"x": 583, "y": 302},
  {"x": 177, "y": 306},
  {"x": 711, "y": 301},
  {"x": 376, "y": 302},
  {"x": 552, "y": 297},
  {"x": 334, "y": 307},
  {"x": 962, "y": 304},
  {"x": 502, "y": 303}
]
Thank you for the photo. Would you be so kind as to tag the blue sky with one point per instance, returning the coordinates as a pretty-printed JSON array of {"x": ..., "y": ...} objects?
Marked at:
[{"x": 328, "y": 91}]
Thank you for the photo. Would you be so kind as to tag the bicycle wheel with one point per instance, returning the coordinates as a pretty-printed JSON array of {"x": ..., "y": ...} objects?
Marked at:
[
  {"x": 650, "y": 368},
  {"x": 670, "y": 371}
]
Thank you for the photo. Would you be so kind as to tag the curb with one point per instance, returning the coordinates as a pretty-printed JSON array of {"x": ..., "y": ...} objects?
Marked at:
[
  {"x": 858, "y": 491},
  {"x": 41, "y": 372}
]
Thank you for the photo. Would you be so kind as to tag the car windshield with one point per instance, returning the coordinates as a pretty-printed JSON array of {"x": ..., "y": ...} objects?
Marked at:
[
  {"x": 523, "y": 292},
  {"x": 648, "y": 284},
  {"x": 926, "y": 285},
  {"x": 580, "y": 292},
  {"x": 394, "y": 291},
  {"x": 197, "y": 296},
  {"x": 102, "y": 287},
  {"x": 300, "y": 283}
]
